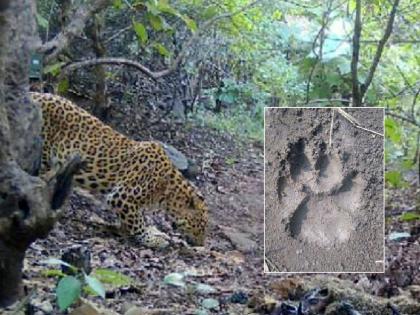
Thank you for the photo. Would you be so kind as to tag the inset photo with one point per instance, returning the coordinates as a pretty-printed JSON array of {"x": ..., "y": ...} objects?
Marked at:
[{"x": 324, "y": 189}]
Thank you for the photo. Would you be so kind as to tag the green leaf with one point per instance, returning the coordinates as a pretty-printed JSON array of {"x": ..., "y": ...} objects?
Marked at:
[
  {"x": 43, "y": 22},
  {"x": 165, "y": 7},
  {"x": 201, "y": 312},
  {"x": 95, "y": 285},
  {"x": 189, "y": 22},
  {"x": 410, "y": 216},
  {"x": 161, "y": 49},
  {"x": 118, "y": 4},
  {"x": 392, "y": 130},
  {"x": 394, "y": 178},
  {"x": 68, "y": 291},
  {"x": 210, "y": 304},
  {"x": 175, "y": 279},
  {"x": 202, "y": 288},
  {"x": 112, "y": 277},
  {"x": 210, "y": 12},
  {"x": 141, "y": 32},
  {"x": 54, "y": 69},
  {"x": 49, "y": 273},
  {"x": 156, "y": 21},
  {"x": 63, "y": 86}
]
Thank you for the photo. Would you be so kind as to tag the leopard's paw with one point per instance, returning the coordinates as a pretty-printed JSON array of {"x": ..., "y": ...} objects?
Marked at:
[{"x": 154, "y": 239}]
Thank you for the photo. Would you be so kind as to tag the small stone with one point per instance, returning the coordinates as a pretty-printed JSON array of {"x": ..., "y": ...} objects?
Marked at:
[{"x": 239, "y": 297}]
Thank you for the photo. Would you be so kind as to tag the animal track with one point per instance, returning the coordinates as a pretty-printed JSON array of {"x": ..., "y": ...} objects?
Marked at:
[{"x": 320, "y": 203}]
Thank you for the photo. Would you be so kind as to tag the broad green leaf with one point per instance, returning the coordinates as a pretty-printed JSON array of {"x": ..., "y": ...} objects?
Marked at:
[
  {"x": 202, "y": 288},
  {"x": 410, "y": 216},
  {"x": 54, "y": 69},
  {"x": 67, "y": 291},
  {"x": 396, "y": 236},
  {"x": 43, "y": 22},
  {"x": 141, "y": 32},
  {"x": 155, "y": 21},
  {"x": 175, "y": 279},
  {"x": 161, "y": 49},
  {"x": 112, "y": 277},
  {"x": 152, "y": 8},
  {"x": 210, "y": 304},
  {"x": 95, "y": 285}
]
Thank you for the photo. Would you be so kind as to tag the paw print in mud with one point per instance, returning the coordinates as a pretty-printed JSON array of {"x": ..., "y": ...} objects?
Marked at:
[{"x": 320, "y": 203}]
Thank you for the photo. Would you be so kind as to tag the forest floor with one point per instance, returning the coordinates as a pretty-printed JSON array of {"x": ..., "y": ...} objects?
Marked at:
[{"x": 231, "y": 263}]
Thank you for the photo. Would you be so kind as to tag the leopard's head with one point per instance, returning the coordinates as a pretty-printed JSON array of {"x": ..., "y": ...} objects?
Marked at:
[{"x": 194, "y": 223}]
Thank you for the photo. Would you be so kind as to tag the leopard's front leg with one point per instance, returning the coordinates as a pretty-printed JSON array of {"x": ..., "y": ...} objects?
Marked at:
[{"x": 131, "y": 218}]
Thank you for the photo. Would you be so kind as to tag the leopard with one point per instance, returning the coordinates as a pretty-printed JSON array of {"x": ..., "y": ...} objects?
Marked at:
[{"x": 135, "y": 177}]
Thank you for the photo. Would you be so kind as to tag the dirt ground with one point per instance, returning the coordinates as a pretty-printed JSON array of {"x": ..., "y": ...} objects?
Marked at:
[
  {"x": 231, "y": 179},
  {"x": 324, "y": 201}
]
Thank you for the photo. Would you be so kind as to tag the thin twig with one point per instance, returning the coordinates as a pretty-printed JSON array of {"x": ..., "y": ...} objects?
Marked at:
[
  {"x": 271, "y": 266},
  {"x": 331, "y": 127},
  {"x": 355, "y": 55},
  {"x": 355, "y": 123},
  {"x": 380, "y": 48}
]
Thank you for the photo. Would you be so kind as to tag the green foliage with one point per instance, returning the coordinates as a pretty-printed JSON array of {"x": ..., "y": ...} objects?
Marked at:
[
  {"x": 410, "y": 216},
  {"x": 95, "y": 285},
  {"x": 54, "y": 69},
  {"x": 68, "y": 291},
  {"x": 42, "y": 22},
  {"x": 115, "y": 279},
  {"x": 392, "y": 130},
  {"x": 395, "y": 179},
  {"x": 175, "y": 279},
  {"x": 52, "y": 273},
  {"x": 238, "y": 122},
  {"x": 69, "y": 288},
  {"x": 141, "y": 32}
]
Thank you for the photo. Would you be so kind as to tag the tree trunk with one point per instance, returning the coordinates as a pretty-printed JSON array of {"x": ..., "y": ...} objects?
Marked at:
[
  {"x": 101, "y": 109},
  {"x": 27, "y": 202}
]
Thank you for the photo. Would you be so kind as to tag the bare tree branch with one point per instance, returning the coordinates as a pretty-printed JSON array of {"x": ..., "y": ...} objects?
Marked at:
[
  {"x": 379, "y": 50},
  {"x": 357, "y": 99},
  {"x": 74, "y": 28}
]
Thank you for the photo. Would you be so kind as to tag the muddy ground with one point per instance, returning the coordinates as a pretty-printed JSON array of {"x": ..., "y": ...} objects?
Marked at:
[{"x": 324, "y": 201}]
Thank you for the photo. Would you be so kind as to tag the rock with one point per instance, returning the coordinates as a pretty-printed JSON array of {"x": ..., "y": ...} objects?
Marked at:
[
  {"x": 239, "y": 297},
  {"x": 178, "y": 159},
  {"x": 88, "y": 308},
  {"x": 242, "y": 241}
]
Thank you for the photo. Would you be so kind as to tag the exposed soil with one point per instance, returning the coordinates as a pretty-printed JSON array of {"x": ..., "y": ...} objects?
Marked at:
[
  {"x": 231, "y": 179},
  {"x": 324, "y": 202}
]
